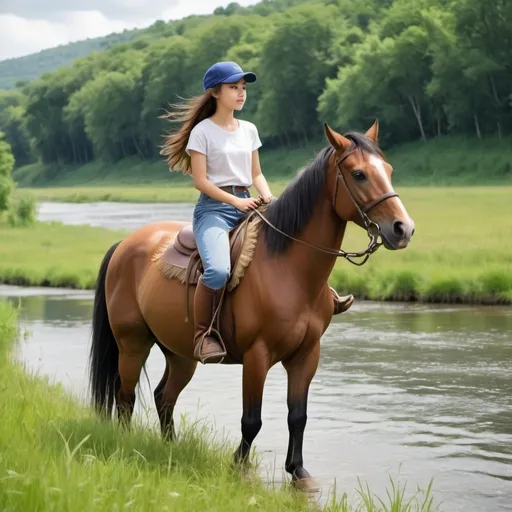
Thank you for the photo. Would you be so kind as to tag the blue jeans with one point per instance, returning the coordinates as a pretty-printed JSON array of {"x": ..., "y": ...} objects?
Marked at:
[{"x": 211, "y": 222}]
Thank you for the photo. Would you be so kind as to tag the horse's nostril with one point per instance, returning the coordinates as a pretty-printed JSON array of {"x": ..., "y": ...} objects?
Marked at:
[
  {"x": 398, "y": 228},
  {"x": 413, "y": 230}
]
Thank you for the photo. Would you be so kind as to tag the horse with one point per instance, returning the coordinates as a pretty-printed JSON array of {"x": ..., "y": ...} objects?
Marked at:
[{"x": 277, "y": 313}]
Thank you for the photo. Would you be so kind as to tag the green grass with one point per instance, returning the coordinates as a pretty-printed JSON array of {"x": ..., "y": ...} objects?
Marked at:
[
  {"x": 55, "y": 455},
  {"x": 52, "y": 254},
  {"x": 132, "y": 194},
  {"x": 461, "y": 252},
  {"x": 447, "y": 161}
]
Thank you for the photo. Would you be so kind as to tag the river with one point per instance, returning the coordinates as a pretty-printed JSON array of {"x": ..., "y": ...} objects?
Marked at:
[{"x": 408, "y": 390}]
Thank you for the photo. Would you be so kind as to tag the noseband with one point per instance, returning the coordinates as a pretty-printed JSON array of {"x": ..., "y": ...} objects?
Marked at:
[{"x": 372, "y": 228}]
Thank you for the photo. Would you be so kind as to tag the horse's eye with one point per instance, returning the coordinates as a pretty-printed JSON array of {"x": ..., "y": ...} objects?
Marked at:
[{"x": 359, "y": 175}]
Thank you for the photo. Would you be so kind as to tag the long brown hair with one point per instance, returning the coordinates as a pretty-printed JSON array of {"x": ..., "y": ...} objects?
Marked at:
[{"x": 189, "y": 114}]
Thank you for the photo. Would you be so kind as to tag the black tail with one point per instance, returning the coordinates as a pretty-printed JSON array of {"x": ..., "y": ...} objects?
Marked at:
[{"x": 103, "y": 364}]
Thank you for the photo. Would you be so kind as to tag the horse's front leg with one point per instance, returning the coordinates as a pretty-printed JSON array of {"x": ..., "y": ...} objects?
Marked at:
[
  {"x": 255, "y": 368},
  {"x": 301, "y": 368}
]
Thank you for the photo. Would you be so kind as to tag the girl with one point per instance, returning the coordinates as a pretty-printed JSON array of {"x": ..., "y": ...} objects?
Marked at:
[{"x": 221, "y": 153}]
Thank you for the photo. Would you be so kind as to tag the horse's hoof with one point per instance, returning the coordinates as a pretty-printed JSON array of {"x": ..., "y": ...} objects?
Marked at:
[{"x": 308, "y": 485}]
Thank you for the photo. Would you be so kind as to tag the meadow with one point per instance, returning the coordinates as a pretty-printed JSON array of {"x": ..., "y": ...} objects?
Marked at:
[
  {"x": 55, "y": 455},
  {"x": 461, "y": 251}
]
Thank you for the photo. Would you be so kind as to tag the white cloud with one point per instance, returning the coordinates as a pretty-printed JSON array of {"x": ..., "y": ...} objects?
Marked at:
[
  {"x": 28, "y": 26},
  {"x": 117, "y": 9},
  {"x": 20, "y": 36}
]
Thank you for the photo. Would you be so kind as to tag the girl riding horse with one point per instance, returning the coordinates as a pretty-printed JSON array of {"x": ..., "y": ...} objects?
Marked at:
[{"x": 221, "y": 153}]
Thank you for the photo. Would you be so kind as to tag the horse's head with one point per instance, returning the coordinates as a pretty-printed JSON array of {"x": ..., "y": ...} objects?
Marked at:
[{"x": 360, "y": 186}]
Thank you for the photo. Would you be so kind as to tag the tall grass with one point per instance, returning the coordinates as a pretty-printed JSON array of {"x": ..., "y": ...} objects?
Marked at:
[
  {"x": 54, "y": 455},
  {"x": 22, "y": 210}
]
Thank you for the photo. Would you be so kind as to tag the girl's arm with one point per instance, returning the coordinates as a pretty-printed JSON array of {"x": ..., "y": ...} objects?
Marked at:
[{"x": 258, "y": 180}]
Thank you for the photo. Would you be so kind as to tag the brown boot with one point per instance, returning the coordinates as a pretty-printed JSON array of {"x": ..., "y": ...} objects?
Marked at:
[
  {"x": 207, "y": 347},
  {"x": 341, "y": 303}
]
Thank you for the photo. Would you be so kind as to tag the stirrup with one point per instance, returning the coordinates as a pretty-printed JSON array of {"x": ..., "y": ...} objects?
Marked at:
[
  {"x": 341, "y": 303},
  {"x": 213, "y": 333}
]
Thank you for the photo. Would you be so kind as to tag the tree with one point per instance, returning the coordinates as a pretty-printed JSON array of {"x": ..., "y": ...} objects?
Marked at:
[
  {"x": 484, "y": 34},
  {"x": 6, "y": 165},
  {"x": 111, "y": 106},
  {"x": 295, "y": 61},
  {"x": 12, "y": 124},
  {"x": 167, "y": 74}
]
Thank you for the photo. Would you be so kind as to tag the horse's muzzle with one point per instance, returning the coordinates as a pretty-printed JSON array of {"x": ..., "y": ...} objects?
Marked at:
[{"x": 397, "y": 234}]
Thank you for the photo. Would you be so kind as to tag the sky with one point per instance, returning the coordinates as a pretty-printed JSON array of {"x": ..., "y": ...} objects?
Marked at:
[{"x": 28, "y": 26}]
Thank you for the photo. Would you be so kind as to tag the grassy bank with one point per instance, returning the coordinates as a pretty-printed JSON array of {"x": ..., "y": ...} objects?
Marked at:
[
  {"x": 461, "y": 252},
  {"x": 52, "y": 254},
  {"x": 54, "y": 455},
  {"x": 447, "y": 161}
]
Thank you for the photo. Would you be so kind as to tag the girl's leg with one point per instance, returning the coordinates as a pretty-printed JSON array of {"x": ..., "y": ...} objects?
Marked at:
[
  {"x": 211, "y": 233},
  {"x": 213, "y": 245}
]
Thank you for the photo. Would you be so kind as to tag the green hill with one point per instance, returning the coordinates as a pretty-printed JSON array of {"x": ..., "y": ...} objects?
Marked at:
[{"x": 30, "y": 67}]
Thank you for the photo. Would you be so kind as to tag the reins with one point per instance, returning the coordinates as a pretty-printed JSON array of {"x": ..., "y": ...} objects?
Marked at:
[{"x": 372, "y": 228}]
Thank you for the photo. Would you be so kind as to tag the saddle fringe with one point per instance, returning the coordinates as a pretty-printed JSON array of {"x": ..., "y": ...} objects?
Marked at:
[
  {"x": 246, "y": 254},
  {"x": 170, "y": 271}
]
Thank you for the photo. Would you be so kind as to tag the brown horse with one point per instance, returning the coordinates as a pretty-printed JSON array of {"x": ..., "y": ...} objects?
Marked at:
[{"x": 278, "y": 312}]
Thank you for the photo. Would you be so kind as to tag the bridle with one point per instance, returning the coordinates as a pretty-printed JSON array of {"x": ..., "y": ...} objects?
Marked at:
[{"x": 372, "y": 228}]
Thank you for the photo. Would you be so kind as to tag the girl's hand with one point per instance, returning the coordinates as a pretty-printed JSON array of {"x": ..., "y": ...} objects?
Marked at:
[
  {"x": 246, "y": 204},
  {"x": 267, "y": 199}
]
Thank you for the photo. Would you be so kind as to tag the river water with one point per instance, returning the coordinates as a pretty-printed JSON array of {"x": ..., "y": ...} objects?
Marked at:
[{"x": 404, "y": 390}]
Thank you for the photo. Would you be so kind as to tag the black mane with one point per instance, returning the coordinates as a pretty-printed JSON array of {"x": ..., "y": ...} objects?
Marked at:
[{"x": 292, "y": 211}]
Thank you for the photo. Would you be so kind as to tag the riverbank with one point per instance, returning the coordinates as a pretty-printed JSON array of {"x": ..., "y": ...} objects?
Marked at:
[
  {"x": 57, "y": 456},
  {"x": 461, "y": 252},
  {"x": 449, "y": 161}
]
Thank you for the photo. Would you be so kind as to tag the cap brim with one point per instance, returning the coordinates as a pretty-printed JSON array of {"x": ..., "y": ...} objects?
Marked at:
[{"x": 249, "y": 77}]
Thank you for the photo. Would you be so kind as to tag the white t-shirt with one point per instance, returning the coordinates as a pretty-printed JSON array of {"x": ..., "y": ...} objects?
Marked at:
[{"x": 228, "y": 154}]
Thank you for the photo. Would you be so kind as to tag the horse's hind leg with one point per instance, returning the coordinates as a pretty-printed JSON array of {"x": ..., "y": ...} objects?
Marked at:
[
  {"x": 177, "y": 374},
  {"x": 134, "y": 342}
]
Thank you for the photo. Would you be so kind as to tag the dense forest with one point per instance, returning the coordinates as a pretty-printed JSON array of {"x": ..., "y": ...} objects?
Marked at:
[{"x": 424, "y": 68}]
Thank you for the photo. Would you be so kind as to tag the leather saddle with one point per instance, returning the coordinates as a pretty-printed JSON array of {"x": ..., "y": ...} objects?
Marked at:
[{"x": 182, "y": 251}]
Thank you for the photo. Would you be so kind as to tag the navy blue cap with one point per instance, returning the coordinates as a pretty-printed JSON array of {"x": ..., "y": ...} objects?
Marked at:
[{"x": 225, "y": 73}]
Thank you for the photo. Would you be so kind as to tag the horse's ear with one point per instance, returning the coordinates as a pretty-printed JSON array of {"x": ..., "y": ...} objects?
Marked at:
[
  {"x": 336, "y": 140},
  {"x": 373, "y": 132}
]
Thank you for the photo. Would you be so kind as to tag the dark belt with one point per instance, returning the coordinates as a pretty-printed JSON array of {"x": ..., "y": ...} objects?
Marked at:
[{"x": 234, "y": 189}]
